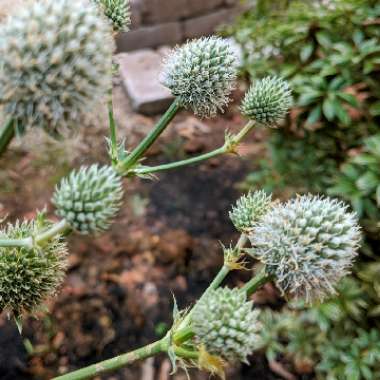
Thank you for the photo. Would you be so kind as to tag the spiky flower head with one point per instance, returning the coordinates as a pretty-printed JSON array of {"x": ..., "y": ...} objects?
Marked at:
[
  {"x": 55, "y": 63},
  {"x": 118, "y": 12},
  {"x": 249, "y": 209},
  {"x": 267, "y": 101},
  {"x": 308, "y": 244},
  {"x": 201, "y": 74},
  {"x": 226, "y": 324},
  {"x": 88, "y": 199},
  {"x": 28, "y": 276}
]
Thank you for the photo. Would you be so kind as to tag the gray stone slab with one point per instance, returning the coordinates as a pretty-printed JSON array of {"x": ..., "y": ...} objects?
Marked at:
[
  {"x": 150, "y": 36},
  {"x": 140, "y": 71}
]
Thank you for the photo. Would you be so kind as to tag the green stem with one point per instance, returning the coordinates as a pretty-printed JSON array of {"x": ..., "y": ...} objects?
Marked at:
[
  {"x": 219, "y": 278},
  {"x": 183, "y": 335},
  {"x": 56, "y": 229},
  {"x": 113, "y": 135},
  {"x": 117, "y": 362},
  {"x": 178, "y": 164},
  {"x": 256, "y": 282},
  {"x": 22, "y": 243},
  {"x": 145, "y": 144},
  {"x": 6, "y": 135},
  {"x": 30, "y": 241},
  {"x": 228, "y": 147},
  {"x": 186, "y": 354}
]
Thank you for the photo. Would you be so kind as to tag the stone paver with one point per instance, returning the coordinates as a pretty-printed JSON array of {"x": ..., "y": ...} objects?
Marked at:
[{"x": 140, "y": 71}]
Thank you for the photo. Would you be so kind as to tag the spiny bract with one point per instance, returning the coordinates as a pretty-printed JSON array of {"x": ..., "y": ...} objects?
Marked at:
[
  {"x": 226, "y": 324},
  {"x": 89, "y": 198},
  {"x": 249, "y": 209},
  {"x": 201, "y": 74},
  {"x": 308, "y": 244},
  {"x": 267, "y": 101},
  {"x": 29, "y": 275},
  {"x": 118, "y": 12},
  {"x": 55, "y": 63}
]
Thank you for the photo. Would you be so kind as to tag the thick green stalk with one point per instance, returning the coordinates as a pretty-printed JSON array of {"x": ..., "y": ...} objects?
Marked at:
[
  {"x": 54, "y": 230},
  {"x": 219, "y": 278},
  {"x": 117, "y": 362},
  {"x": 145, "y": 144},
  {"x": 6, "y": 135},
  {"x": 228, "y": 147},
  {"x": 178, "y": 164},
  {"x": 40, "y": 239},
  {"x": 256, "y": 282}
]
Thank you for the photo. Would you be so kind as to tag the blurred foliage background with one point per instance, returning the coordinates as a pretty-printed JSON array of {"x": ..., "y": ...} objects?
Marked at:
[{"x": 330, "y": 143}]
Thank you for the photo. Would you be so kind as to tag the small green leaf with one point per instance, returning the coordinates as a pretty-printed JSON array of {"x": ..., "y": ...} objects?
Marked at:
[
  {"x": 18, "y": 321},
  {"x": 328, "y": 109},
  {"x": 173, "y": 360},
  {"x": 306, "y": 52},
  {"x": 176, "y": 312},
  {"x": 341, "y": 113},
  {"x": 314, "y": 115},
  {"x": 349, "y": 98},
  {"x": 309, "y": 97},
  {"x": 323, "y": 39}
]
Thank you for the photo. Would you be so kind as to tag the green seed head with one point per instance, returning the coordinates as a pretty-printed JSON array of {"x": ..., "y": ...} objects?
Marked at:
[
  {"x": 28, "y": 276},
  {"x": 249, "y": 209},
  {"x": 55, "y": 63},
  {"x": 226, "y": 324},
  {"x": 267, "y": 101},
  {"x": 118, "y": 12},
  {"x": 89, "y": 198},
  {"x": 202, "y": 74},
  {"x": 308, "y": 244}
]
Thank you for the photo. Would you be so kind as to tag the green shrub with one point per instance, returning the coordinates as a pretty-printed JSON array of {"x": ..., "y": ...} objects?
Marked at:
[
  {"x": 331, "y": 56},
  {"x": 330, "y": 143}
]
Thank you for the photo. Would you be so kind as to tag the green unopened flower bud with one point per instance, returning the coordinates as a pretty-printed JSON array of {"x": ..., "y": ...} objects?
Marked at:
[
  {"x": 89, "y": 199},
  {"x": 28, "y": 276},
  {"x": 56, "y": 63},
  {"x": 226, "y": 324},
  {"x": 267, "y": 101},
  {"x": 202, "y": 74},
  {"x": 308, "y": 244},
  {"x": 249, "y": 209},
  {"x": 118, "y": 12}
]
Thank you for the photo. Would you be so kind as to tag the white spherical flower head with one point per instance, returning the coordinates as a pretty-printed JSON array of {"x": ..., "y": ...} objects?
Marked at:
[
  {"x": 267, "y": 101},
  {"x": 308, "y": 244},
  {"x": 88, "y": 199},
  {"x": 201, "y": 74},
  {"x": 55, "y": 63},
  {"x": 226, "y": 324},
  {"x": 118, "y": 12}
]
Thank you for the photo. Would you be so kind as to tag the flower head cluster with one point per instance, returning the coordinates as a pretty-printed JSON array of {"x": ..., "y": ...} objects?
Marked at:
[
  {"x": 88, "y": 199},
  {"x": 55, "y": 62},
  {"x": 249, "y": 209},
  {"x": 308, "y": 244},
  {"x": 29, "y": 275},
  {"x": 118, "y": 12},
  {"x": 267, "y": 101},
  {"x": 226, "y": 324},
  {"x": 202, "y": 74}
]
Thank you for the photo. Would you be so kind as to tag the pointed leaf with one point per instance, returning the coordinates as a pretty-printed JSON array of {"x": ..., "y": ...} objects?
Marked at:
[
  {"x": 173, "y": 360},
  {"x": 328, "y": 109},
  {"x": 18, "y": 321}
]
